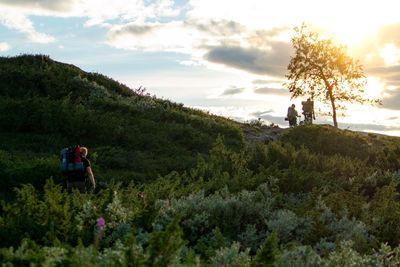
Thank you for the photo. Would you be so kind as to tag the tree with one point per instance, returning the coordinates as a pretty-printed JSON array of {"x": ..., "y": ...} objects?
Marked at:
[{"x": 324, "y": 71}]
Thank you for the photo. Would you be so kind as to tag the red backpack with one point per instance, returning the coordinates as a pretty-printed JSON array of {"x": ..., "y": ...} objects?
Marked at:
[{"x": 71, "y": 164}]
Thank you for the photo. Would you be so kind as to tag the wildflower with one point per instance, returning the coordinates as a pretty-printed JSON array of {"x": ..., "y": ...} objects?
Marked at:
[
  {"x": 99, "y": 231},
  {"x": 101, "y": 223}
]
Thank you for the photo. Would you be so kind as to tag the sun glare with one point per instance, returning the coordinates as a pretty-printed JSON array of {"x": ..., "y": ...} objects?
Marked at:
[
  {"x": 374, "y": 88},
  {"x": 390, "y": 54},
  {"x": 352, "y": 22},
  {"x": 350, "y": 34}
]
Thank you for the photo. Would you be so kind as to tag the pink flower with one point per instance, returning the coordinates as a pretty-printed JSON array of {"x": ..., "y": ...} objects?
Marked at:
[{"x": 101, "y": 223}]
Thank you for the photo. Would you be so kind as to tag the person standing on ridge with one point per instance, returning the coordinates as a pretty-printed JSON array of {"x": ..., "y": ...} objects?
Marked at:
[
  {"x": 308, "y": 111},
  {"x": 292, "y": 115}
]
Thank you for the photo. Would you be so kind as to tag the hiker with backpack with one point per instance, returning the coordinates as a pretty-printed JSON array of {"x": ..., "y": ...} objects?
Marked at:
[
  {"x": 292, "y": 115},
  {"x": 76, "y": 168},
  {"x": 308, "y": 111}
]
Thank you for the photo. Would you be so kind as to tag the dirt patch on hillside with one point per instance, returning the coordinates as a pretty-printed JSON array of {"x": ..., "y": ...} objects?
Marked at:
[{"x": 262, "y": 134}]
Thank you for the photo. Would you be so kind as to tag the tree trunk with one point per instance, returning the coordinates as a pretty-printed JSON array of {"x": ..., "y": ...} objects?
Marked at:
[{"x": 333, "y": 107}]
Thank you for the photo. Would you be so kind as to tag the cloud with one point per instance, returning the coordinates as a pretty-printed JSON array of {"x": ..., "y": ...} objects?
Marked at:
[
  {"x": 125, "y": 11},
  {"x": 219, "y": 28},
  {"x": 260, "y": 15},
  {"x": 386, "y": 73},
  {"x": 392, "y": 99},
  {"x": 258, "y": 61},
  {"x": 190, "y": 37},
  {"x": 382, "y": 48},
  {"x": 133, "y": 29},
  {"x": 262, "y": 113},
  {"x": 233, "y": 90},
  {"x": 97, "y": 11},
  {"x": 391, "y": 77},
  {"x": 4, "y": 47},
  {"x": 207, "y": 30},
  {"x": 140, "y": 25},
  {"x": 367, "y": 127},
  {"x": 280, "y": 120},
  {"x": 389, "y": 34},
  {"x": 173, "y": 36},
  {"x": 271, "y": 91},
  {"x": 15, "y": 14},
  {"x": 268, "y": 14},
  {"x": 223, "y": 42},
  {"x": 190, "y": 63},
  {"x": 22, "y": 24},
  {"x": 259, "y": 81},
  {"x": 44, "y": 5}
]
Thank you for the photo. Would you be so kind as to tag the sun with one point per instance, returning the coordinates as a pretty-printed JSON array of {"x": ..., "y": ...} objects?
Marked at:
[
  {"x": 350, "y": 33},
  {"x": 353, "y": 22}
]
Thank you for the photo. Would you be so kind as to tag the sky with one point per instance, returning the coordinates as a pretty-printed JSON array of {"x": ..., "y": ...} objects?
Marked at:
[{"x": 228, "y": 57}]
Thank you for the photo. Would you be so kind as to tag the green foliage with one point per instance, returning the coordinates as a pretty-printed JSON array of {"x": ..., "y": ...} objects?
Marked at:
[
  {"x": 164, "y": 247},
  {"x": 177, "y": 187},
  {"x": 289, "y": 226},
  {"x": 46, "y": 105},
  {"x": 301, "y": 256},
  {"x": 385, "y": 207},
  {"x": 268, "y": 253},
  {"x": 231, "y": 256},
  {"x": 16, "y": 170},
  {"x": 328, "y": 140},
  {"x": 232, "y": 214}
]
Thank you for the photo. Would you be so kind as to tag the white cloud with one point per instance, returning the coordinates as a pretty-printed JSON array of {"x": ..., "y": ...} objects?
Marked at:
[
  {"x": 15, "y": 14},
  {"x": 4, "y": 47},
  {"x": 190, "y": 63},
  {"x": 178, "y": 36},
  {"x": 221, "y": 42},
  {"x": 101, "y": 12},
  {"x": 173, "y": 36},
  {"x": 40, "y": 6},
  {"x": 97, "y": 12},
  {"x": 19, "y": 22}
]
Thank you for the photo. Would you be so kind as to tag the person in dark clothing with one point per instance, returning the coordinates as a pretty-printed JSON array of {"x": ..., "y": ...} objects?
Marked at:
[
  {"x": 308, "y": 111},
  {"x": 292, "y": 115},
  {"x": 80, "y": 182}
]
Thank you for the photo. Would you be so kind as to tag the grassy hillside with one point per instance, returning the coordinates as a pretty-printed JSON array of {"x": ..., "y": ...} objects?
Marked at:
[
  {"x": 47, "y": 105},
  {"x": 180, "y": 187}
]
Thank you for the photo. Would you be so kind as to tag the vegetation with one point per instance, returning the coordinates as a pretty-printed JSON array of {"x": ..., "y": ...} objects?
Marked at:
[
  {"x": 179, "y": 187},
  {"x": 46, "y": 105},
  {"x": 324, "y": 71}
]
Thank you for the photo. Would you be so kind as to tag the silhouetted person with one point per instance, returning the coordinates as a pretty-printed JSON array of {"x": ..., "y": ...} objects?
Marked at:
[
  {"x": 308, "y": 111},
  {"x": 292, "y": 115}
]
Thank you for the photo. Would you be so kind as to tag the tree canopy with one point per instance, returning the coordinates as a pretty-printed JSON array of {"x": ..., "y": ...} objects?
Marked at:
[{"x": 322, "y": 70}]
